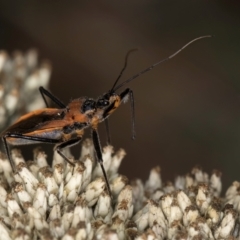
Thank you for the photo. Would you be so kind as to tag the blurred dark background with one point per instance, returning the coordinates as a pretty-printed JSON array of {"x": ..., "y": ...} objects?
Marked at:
[{"x": 187, "y": 110}]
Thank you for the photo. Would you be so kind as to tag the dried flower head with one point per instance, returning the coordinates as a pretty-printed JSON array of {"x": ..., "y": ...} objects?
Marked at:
[{"x": 62, "y": 202}]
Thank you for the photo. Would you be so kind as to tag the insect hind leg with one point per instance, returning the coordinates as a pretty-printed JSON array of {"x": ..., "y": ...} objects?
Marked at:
[
  {"x": 8, "y": 154},
  {"x": 24, "y": 137},
  {"x": 65, "y": 144}
]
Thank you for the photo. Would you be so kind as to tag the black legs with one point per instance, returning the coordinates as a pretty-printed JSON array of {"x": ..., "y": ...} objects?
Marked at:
[
  {"x": 68, "y": 143},
  {"x": 45, "y": 93},
  {"x": 125, "y": 94},
  {"x": 98, "y": 150},
  {"x": 108, "y": 131},
  {"x": 59, "y": 147}
]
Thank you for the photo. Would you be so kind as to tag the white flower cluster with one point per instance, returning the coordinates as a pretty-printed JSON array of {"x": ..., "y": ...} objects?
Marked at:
[
  {"x": 20, "y": 78},
  {"x": 62, "y": 202}
]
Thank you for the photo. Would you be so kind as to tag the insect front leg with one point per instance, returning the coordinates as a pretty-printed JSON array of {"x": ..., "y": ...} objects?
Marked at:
[
  {"x": 98, "y": 149},
  {"x": 68, "y": 143},
  {"x": 124, "y": 97},
  {"x": 106, "y": 122},
  {"x": 44, "y": 92}
]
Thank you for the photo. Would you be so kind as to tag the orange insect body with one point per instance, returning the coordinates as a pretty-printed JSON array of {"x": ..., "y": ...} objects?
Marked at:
[{"x": 64, "y": 126}]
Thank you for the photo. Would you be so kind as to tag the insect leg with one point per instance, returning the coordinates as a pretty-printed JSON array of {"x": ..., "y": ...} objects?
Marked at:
[
  {"x": 8, "y": 154},
  {"x": 98, "y": 150},
  {"x": 128, "y": 92},
  {"x": 68, "y": 143},
  {"x": 108, "y": 131},
  {"x": 17, "y": 136},
  {"x": 45, "y": 93}
]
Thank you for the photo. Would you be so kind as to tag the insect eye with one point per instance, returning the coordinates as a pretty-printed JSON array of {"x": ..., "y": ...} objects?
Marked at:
[
  {"x": 102, "y": 103},
  {"x": 88, "y": 105}
]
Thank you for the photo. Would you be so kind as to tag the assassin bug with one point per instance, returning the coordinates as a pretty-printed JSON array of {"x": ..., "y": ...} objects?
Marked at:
[{"x": 65, "y": 125}]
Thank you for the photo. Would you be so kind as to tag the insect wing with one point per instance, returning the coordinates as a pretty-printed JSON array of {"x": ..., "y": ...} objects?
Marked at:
[
  {"x": 44, "y": 123},
  {"x": 37, "y": 120}
]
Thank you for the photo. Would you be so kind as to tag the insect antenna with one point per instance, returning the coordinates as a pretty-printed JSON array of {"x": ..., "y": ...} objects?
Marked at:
[
  {"x": 123, "y": 69},
  {"x": 155, "y": 64}
]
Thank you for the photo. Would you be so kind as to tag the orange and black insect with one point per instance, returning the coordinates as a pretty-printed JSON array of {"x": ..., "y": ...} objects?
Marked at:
[{"x": 64, "y": 126}]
